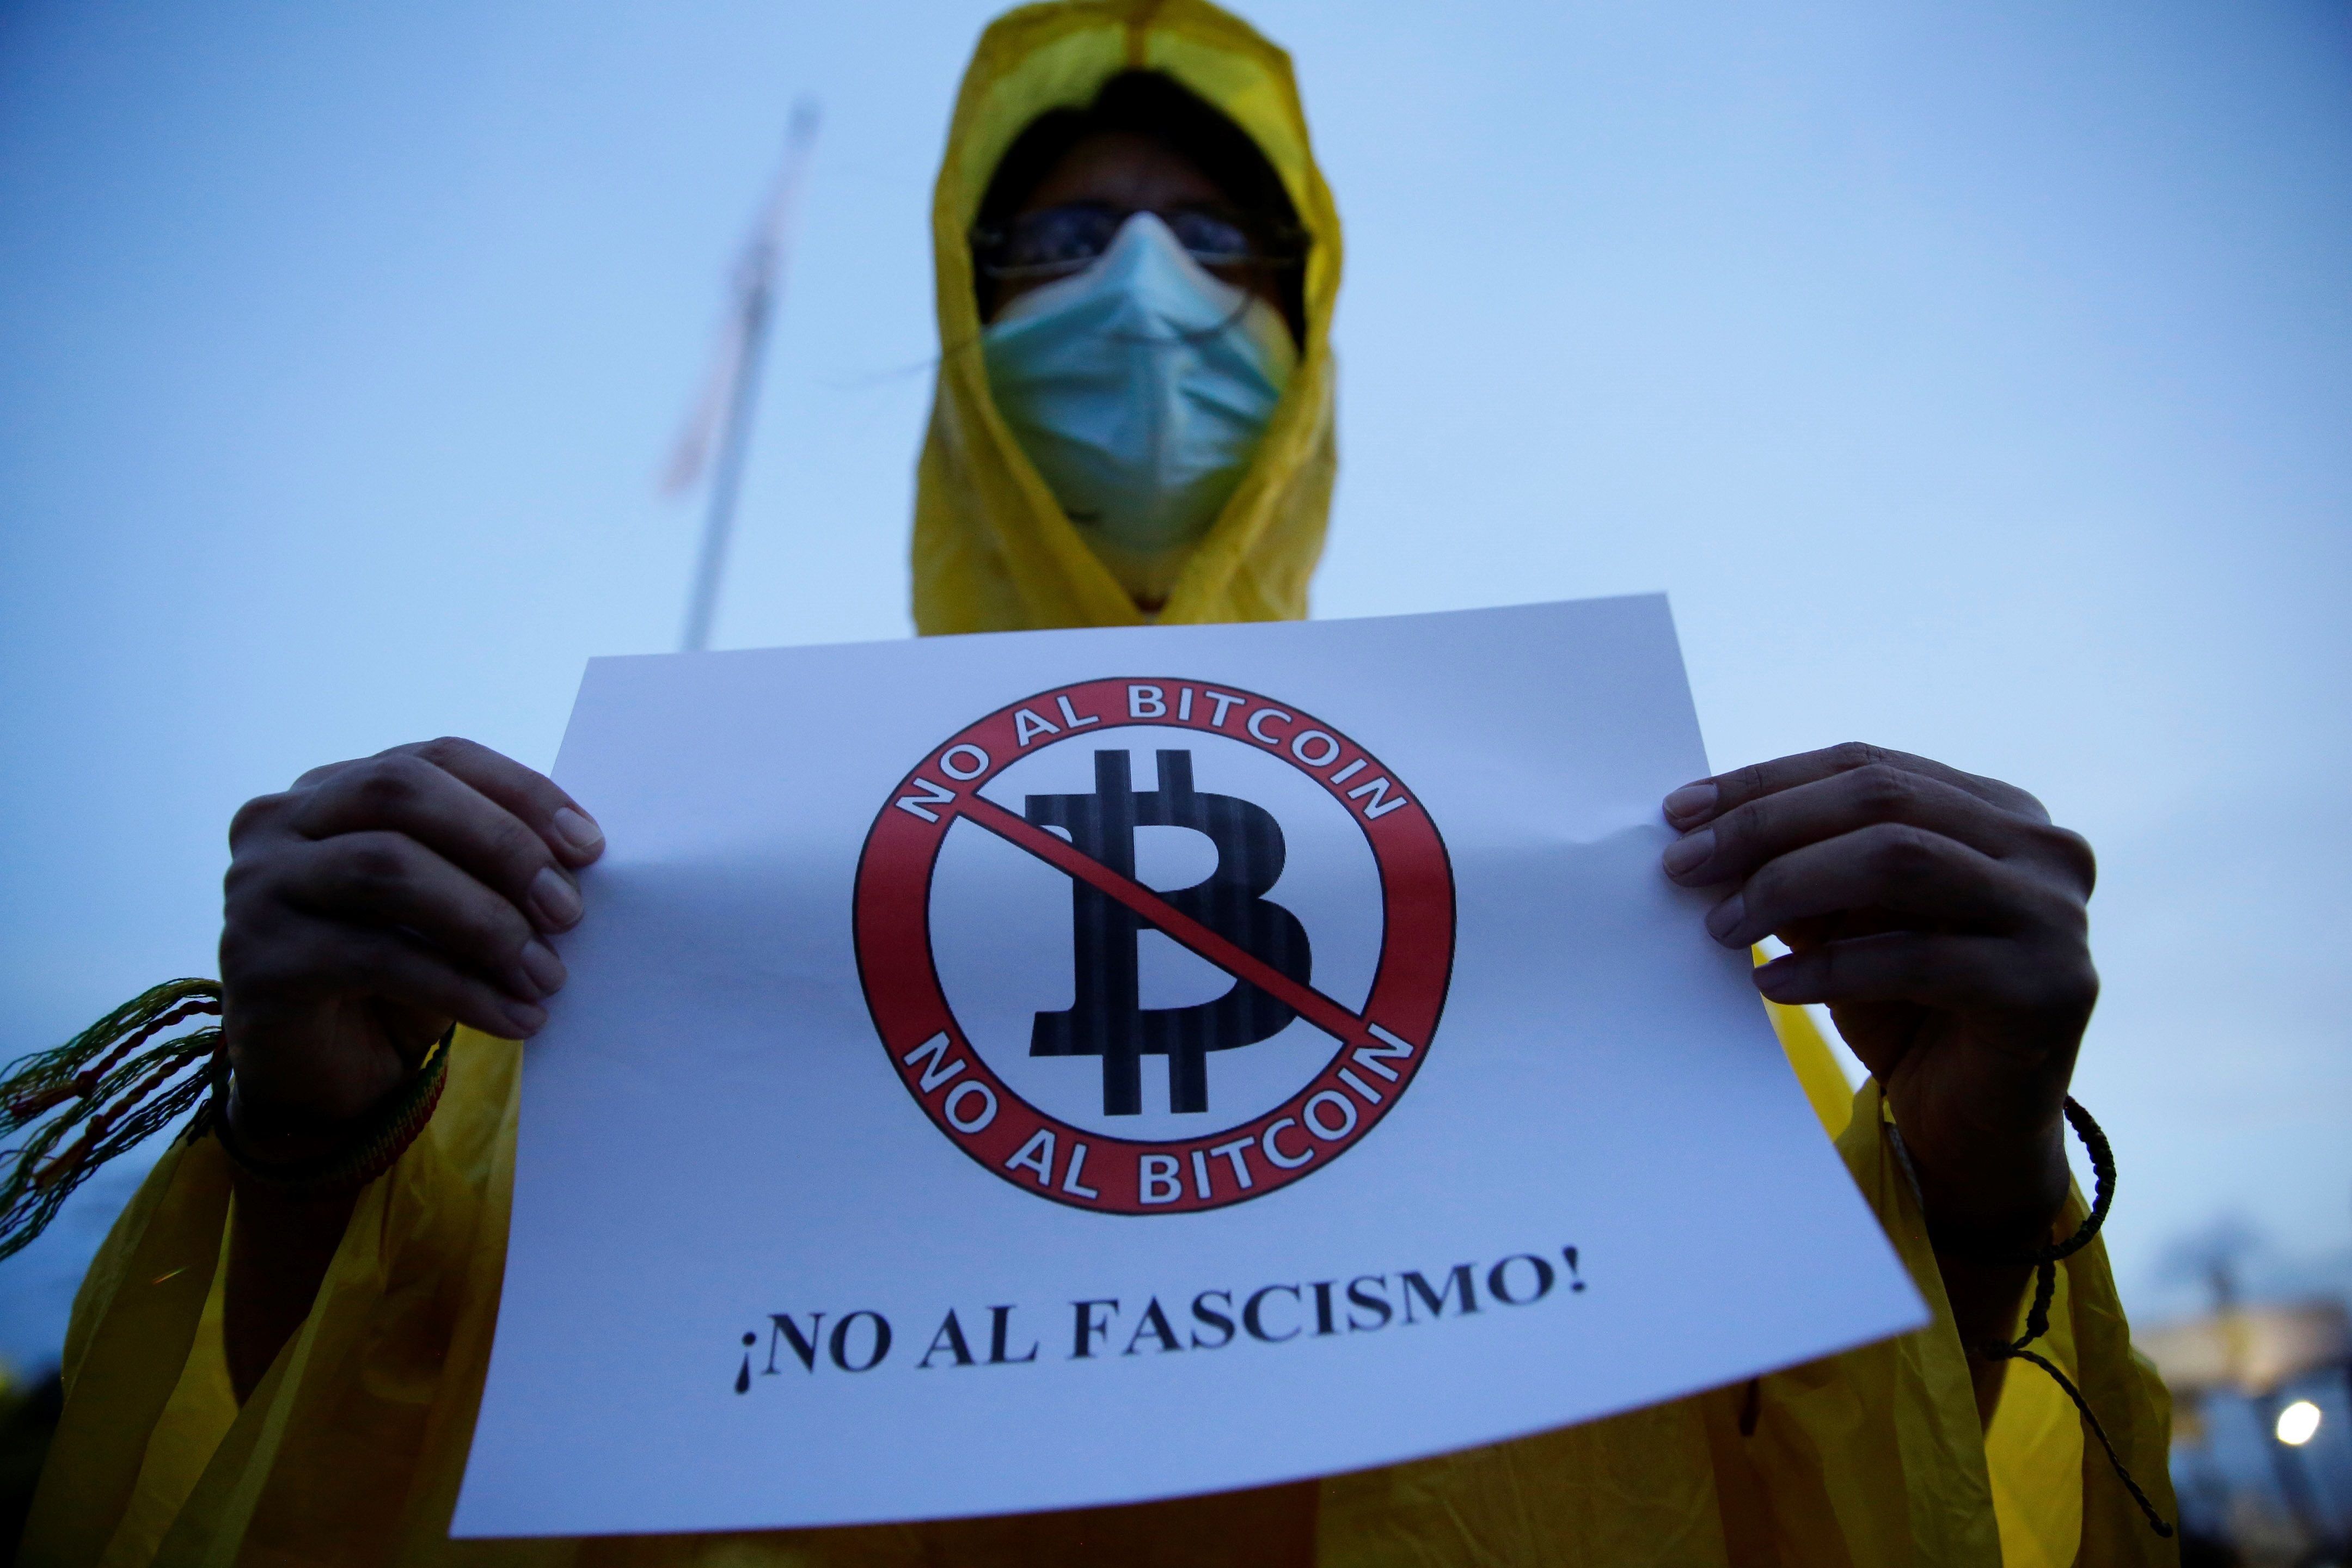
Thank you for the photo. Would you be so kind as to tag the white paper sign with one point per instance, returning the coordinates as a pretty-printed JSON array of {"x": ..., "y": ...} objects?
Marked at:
[{"x": 1007, "y": 1073}]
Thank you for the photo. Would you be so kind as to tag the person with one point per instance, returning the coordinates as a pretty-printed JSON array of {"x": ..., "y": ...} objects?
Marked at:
[{"x": 1136, "y": 263}]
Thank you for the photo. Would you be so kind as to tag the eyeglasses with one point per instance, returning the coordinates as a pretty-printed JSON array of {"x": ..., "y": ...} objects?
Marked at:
[{"x": 1055, "y": 241}]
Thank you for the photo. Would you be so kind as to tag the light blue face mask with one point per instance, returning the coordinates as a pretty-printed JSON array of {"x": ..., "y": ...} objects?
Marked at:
[{"x": 1140, "y": 387}]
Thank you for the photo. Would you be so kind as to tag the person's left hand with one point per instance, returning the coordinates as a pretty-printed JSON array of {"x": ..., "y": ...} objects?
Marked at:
[{"x": 1942, "y": 919}]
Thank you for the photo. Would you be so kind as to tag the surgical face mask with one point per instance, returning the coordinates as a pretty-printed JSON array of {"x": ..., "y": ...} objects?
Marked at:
[{"x": 1140, "y": 387}]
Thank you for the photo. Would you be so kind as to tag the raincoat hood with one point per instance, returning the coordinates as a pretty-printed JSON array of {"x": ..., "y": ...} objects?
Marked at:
[{"x": 992, "y": 549}]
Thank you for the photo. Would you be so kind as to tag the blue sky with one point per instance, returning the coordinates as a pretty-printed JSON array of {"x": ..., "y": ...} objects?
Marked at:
[{"x": 1974, "y": 378}]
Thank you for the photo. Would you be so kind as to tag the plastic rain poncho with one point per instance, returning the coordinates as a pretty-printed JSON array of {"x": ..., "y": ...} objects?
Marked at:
[{"x": 351, "y": 1449}]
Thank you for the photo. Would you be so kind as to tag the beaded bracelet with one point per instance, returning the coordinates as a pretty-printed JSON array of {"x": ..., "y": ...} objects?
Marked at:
[{"x": 372, "y": 1149}]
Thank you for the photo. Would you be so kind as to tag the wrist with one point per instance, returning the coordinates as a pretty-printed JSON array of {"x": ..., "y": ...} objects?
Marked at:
[
  {"x": 1993, "y": 1244},
  {"x": 2027, "y": 1235},
  {"x": 299, "y": 1084},
  {"x": 1992, "y": 1170},
  {"x": 2002, "y": 1204},
  {"x": 279, "y": 1132},
  {"x": 303, "y": 1158}
]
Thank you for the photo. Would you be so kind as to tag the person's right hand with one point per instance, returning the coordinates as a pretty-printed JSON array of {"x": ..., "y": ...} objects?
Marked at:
[{"x": 378, "y": 900}]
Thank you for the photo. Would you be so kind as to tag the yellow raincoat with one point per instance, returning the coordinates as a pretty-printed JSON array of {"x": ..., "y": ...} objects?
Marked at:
[{"x": 351, "y": 1449}]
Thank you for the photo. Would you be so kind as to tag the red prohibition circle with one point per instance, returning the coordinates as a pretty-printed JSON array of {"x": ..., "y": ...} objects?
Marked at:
[{"x": 1376, "y": 1053}]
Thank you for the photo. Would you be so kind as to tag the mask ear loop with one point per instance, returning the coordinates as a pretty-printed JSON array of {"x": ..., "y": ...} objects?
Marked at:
[
  {"x": 1258, "y": 267},
  {"x": 1235, "y": 317}
]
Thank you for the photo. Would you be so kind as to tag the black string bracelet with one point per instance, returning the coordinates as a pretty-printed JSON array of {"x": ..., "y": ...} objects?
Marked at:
[
  {"x": 1968, "y": 1247},
  {"x": 2044, "y": 1261}
]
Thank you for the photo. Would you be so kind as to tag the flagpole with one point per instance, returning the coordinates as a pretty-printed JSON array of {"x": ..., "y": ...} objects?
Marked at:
[
  {"x": 757, "y": 287},
  {"x": 718, "y": 517}
]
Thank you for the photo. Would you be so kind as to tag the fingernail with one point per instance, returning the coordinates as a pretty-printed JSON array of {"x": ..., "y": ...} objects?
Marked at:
[
  {"x": 1685, "y": 855},
  {"x": 578, "y": 831},
  {"x": 1725, "y": 918},
  {"x": 555, "y": 900},
  {"x": 1692, "y": 802},
  {"x": 525, "y": 1018},
  {"x": 1774, "y": 977},
  {"x": 546, "y": 970}
]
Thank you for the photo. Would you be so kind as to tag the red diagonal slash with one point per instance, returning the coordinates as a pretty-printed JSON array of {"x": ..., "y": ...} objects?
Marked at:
[{"x": 1063, "y": 856}]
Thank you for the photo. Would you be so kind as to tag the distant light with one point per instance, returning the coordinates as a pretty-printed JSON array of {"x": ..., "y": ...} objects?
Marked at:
[{"x": 2298, "y": 1423}]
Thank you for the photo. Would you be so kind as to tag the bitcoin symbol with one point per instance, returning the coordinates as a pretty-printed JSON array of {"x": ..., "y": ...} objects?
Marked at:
[
  {"x": 1300, "y": 1115},
  {"x": 1107, "y": 1019}
]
